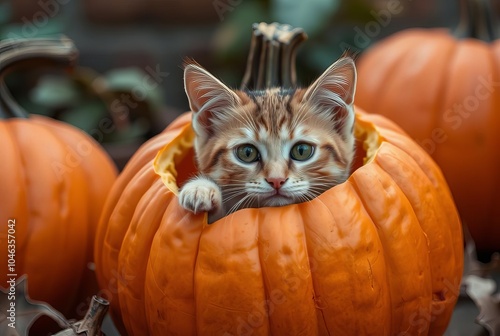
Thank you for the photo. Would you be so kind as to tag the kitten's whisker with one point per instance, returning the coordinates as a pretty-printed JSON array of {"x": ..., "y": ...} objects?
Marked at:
[
  {"x": 237, "y": 205},
  {"x": 324, "y": 183},
  {"x": 226, "y": 199},
  {"x": 320, "y": 184},
  {"x": 247, "y": 202},
  {"x": 235, "y": 188},
  {"x": 309, "y": 195},
  {"x": 329, "y": 178},
  {"x": 234, "y": 192},
  {"x": 317, "y": 192},
  {"x": 305, "y": 198}
]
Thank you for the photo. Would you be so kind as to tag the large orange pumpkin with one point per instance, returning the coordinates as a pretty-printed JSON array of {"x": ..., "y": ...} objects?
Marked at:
[
  {"x": 380, "y": 254},
  {"x": 53, "y": 183},
  {"x": 444, "y": 91}
]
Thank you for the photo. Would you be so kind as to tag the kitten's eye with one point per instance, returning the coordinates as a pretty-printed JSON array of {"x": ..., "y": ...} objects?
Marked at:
[
  {"x": 302, "y": 151},
  {"x": 247, "y": 153}
]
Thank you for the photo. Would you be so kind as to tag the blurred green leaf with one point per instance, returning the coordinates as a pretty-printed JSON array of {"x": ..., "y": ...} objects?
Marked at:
[
  {"x": 137, "y": 82},
  {"x": 136, "y": 130},
  {"x": 55, "y": 92},
  {"x": 86, "y": 117},
  {"x": 125, "y": 78}
]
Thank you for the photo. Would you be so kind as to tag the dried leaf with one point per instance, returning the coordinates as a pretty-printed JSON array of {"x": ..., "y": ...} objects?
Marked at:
[
  {"x": 472, "y": 266},
  {"x": 489, "y": 313},
  {"x": 478, "y": 285},
  {"x": 22, "y": 311}
]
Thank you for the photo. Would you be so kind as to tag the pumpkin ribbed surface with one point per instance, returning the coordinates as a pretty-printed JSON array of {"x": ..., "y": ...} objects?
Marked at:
[
  {"x": 54, "y": 181},
  {"x": 380, "y": 254},
  {"x": 445, "y": 93}
]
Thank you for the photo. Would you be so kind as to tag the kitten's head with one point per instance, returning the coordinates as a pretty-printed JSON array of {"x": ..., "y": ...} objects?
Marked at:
[{"x": 274, "y": 147}]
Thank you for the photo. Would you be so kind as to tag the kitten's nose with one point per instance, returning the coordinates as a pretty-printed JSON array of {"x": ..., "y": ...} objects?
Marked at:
[{"x": 276, "y": 182}]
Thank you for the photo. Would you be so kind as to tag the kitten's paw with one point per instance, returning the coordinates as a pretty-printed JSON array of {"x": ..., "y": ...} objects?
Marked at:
[{"x": 200, "y": 195}]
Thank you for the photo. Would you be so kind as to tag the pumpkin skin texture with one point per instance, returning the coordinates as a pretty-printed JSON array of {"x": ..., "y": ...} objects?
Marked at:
[
  {"x": 380, "y": 254},
  {"x": 449, "y": 89},
  {"x": 54, "y": 182}
]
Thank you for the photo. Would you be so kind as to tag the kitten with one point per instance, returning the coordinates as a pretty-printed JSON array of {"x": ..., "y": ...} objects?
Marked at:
[{"x": 268, "y": 148}]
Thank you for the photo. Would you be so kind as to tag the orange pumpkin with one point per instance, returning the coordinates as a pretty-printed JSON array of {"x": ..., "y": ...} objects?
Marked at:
[
  {"x": 380, "y": 254},
  {"x": 444, "y": 92},
  {"x": 53, "y": 184}
]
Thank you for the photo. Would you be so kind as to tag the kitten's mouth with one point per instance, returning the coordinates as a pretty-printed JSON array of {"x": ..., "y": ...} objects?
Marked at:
[
  {"x": 277, "y": 198},
  {"x": 276, "y": 193}
]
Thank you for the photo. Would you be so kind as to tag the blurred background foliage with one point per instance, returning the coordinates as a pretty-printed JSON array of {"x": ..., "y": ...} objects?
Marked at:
[{"x": 128, "y": 85}]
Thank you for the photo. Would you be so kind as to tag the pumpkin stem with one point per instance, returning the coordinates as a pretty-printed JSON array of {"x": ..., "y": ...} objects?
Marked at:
[
  {"x": 477, "y": 21},
  {"x": 13, "y": 53},
  {"x": 271, "y": 60}
]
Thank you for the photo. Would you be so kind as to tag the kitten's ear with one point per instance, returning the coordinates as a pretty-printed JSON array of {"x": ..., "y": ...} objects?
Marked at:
[
  {"x": 336, "y": 85},
  {"x": 208, "y": 97},
  {"x": 333, "y": 94}
]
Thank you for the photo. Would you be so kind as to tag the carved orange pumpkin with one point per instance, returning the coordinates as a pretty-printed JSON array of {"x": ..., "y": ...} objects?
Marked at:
[
  {"x": 380, "y": 254},
  {"x": 53, "y": 183},
  {"x": 445, "y": 92}
]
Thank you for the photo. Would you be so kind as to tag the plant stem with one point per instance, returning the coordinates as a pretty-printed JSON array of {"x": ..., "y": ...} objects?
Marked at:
[
  {"x": 14, "y": 53},
  {"x": 91, "y": 323}
]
